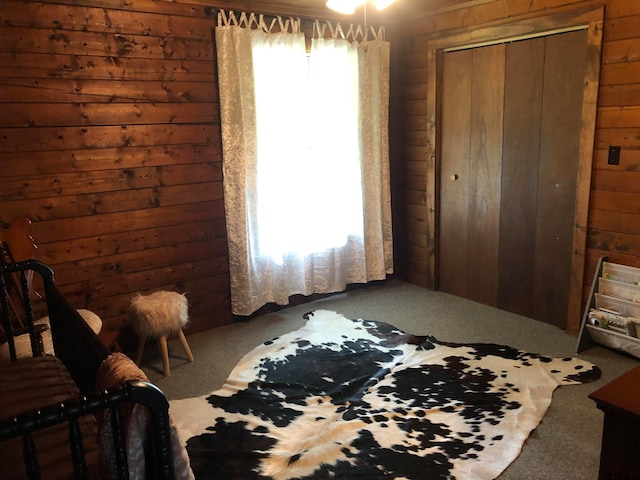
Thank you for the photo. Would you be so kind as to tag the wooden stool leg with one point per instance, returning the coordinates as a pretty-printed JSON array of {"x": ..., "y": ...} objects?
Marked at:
[
  {"x": 140, "y": 350},
  {"x": 165, "y": 355},
  {"x": 185, "y": 345}
]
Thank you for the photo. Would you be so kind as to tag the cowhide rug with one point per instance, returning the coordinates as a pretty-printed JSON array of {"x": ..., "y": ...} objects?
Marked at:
[{"x": 359, "y": 399}]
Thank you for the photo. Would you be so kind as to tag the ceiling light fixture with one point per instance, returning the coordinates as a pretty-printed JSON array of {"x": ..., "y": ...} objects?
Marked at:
[
  {"x": 349, "y": 6},
  {"x": 382, "y": 4}
]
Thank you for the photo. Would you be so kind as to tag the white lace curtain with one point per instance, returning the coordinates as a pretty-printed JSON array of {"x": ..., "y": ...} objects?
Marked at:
[{"x": 305, "y": 158}]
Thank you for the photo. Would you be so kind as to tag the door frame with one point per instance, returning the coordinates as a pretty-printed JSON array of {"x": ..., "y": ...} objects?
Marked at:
[{"x": 590, "y": 18}]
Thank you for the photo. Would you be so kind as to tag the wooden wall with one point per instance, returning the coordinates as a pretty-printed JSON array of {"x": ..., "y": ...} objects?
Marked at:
[
  {"x": 110, "y": 143},
  {"x": 614, "y": 214}
]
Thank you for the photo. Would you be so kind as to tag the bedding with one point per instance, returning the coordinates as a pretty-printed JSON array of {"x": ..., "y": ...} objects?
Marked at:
[
  {"x": 114, "y": 371},
  {"x": 343, "y": 398}
]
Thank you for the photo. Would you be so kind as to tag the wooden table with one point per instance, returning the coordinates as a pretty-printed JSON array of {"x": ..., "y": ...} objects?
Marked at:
[{"x": 620, "y": 402}]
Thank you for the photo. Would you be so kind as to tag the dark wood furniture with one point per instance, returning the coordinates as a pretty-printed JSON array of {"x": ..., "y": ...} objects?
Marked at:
[
  {"x": 620, "y": 402},
  {"x": 49, "y": 406}
]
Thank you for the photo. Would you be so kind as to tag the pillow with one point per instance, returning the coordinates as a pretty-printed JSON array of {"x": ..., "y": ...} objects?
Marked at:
[{"x": 114, "y": 371}]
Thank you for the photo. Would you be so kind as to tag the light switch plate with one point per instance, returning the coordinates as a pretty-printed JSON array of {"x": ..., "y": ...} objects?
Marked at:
[{"x": 614, "y": 155}]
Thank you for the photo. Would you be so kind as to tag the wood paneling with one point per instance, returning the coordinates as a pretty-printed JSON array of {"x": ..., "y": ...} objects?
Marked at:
[
  {"x": 612, "y": 216},
  {"x": 110, "y": 133},
  {"x": 110, "y": 143}
]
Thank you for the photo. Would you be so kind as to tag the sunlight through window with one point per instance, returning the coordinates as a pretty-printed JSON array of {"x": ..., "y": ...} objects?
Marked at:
[{"x": 309, "y": 186}]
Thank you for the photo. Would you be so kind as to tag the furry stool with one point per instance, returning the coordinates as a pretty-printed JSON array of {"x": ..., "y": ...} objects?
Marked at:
[{"x": 160, "y": 315}]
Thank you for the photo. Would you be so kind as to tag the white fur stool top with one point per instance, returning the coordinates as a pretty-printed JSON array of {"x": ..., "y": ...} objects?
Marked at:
[{"x": 159, "y": 314}]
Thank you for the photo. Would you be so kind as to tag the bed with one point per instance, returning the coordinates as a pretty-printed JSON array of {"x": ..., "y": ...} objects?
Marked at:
[{"x": 71, "y": 413}]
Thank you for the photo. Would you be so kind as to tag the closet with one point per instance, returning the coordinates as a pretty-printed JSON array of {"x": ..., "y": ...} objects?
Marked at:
[{"x": 510, "y": 126}]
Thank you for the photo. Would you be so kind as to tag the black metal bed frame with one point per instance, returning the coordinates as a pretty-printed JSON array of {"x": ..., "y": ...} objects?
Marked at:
[{"x": 81, "y": 352}]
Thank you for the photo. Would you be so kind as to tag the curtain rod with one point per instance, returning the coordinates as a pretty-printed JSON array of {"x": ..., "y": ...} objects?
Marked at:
[
  {"x": 211, "y": 11},
  {"x": 365, "y": 28}
]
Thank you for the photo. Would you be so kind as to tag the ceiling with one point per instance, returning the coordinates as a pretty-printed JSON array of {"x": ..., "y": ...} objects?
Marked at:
[{"x": 400, "y": 10}]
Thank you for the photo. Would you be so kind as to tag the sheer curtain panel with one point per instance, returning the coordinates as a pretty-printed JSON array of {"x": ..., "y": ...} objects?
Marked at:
[{"x": 305, "y": 158}]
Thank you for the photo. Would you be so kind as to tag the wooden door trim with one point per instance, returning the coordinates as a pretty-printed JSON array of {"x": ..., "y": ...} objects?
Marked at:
[{"x": 590, "y": 18}]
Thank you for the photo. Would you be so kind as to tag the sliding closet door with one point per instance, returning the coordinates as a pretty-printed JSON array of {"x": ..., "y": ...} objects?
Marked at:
[
  {"x": 520, "y": 182},
  {"x": 473, "y": 85},
  {"x": 454, "y": 184},
  {"x": 510, "y": 127}
]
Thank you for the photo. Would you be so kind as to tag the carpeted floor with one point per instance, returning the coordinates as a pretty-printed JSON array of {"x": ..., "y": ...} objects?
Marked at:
[{"x": 566, "y": 445}]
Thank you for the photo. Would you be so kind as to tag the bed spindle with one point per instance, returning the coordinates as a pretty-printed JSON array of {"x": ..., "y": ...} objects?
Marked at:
[
  {"x": 119, "y": 451},
  {"x": 30, "y": 457},
  {"x": 26, "y": 300},
  {"x": 77, "y": 449},
  {"x": 7, "y": 321}
]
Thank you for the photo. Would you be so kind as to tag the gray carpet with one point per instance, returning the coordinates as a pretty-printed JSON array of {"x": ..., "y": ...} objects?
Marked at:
[{"x": 565, "y": 446}]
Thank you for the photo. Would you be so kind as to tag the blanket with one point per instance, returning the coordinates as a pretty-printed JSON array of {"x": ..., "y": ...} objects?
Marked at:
[{"x": 349, "y": 399}]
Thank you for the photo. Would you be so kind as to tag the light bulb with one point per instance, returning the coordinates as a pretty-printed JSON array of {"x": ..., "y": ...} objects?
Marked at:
[
  {"x": 344, "y": 6},
  {"x": 381, "y": 4}
]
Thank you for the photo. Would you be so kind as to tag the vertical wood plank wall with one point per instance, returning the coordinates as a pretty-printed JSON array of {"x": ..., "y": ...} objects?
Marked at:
[
  {"x": 110, "y": 143},
  {"x": 614, "y": 214}
]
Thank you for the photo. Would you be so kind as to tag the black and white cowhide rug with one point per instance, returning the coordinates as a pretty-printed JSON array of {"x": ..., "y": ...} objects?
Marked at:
[{"x": 351, "y": 399}]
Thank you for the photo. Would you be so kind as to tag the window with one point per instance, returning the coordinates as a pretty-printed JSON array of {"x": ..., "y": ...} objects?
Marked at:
[
  {"x": 305, "y": 160},
  {"x": 309, "y": 184}
]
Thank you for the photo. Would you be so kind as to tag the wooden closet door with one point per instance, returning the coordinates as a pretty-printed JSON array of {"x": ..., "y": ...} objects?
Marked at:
[
  {"x": 510, "y": 131},
  {"x": 473, "y": 85},
  {"x": 521, "y": 164},
  {"x": 455, "y": 167}
]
